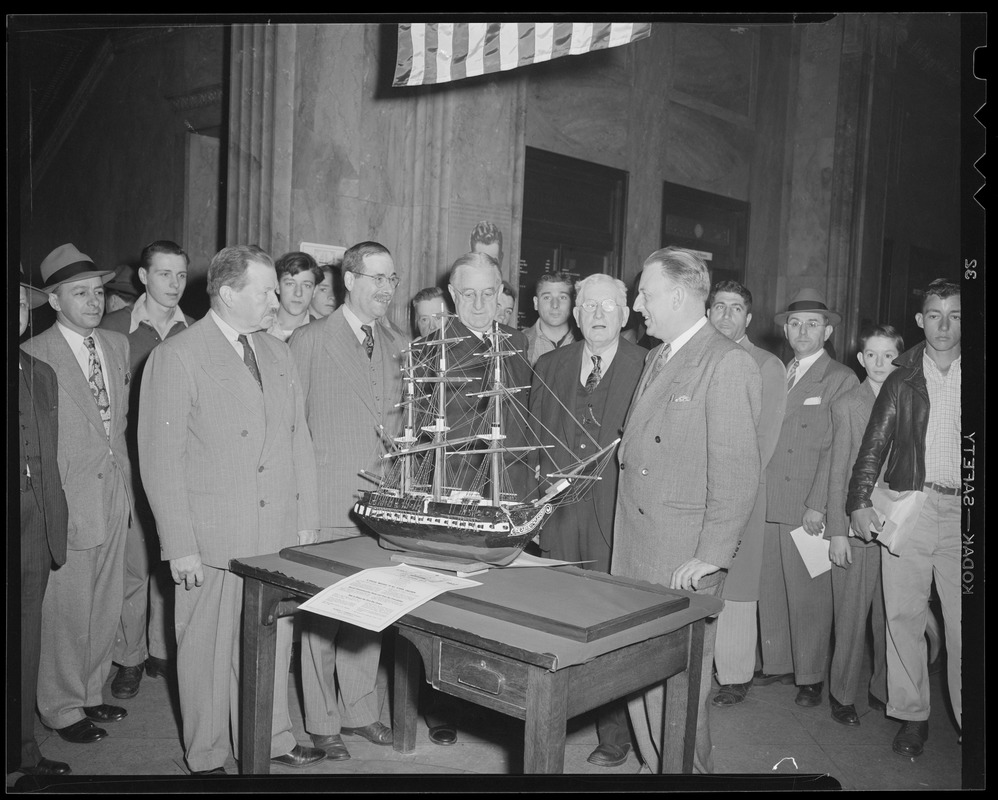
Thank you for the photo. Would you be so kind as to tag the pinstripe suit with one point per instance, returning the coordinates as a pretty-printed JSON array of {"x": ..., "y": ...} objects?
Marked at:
[
  {"x": 42, "y": 540},
  {"x": 349, "y": 401},
  {"x": 689, "y": 472},
  {"x": 797, "y": 479},
  {"x": 83, "y": 599},
  {"x": 857, "y": 590},
  {"x": 229, "y": 472}
]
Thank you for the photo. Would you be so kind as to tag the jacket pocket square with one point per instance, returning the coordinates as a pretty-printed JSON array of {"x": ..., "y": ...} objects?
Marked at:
[
  {"x": 812, "y": 401},
  {"x": 681, "y": 398}
]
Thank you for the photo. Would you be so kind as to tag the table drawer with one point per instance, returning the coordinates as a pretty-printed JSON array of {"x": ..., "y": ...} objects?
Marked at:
[{"x": 486, "y": 678}]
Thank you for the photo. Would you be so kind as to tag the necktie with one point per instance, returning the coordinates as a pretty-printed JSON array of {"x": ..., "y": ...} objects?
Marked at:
[
  {"x": 594, "y": 377},
  {"x": 368, "y": 339},
  {"x": 657, "y": 366},
  {"x": 792, "y": 374},
  {"x": 98, "y": 387},
  {"x": 249, "y": 358}
]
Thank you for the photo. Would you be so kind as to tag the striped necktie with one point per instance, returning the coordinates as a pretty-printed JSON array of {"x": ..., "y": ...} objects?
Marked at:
[
  {"x": 657, "y": 366},
  {"x": 368, "y": 340},
  {"x": 249, "y": 358},
  {"x": 97, "y": 385},
  {"x": 792, "y": 374},
  {"x": 594, "y": 377}
]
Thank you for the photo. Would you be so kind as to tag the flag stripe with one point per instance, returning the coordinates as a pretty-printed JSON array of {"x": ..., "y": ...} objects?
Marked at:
[{"x": 431, "y": 53}]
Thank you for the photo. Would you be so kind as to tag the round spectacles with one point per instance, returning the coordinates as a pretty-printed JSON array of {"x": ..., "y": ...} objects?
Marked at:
[
  {"x": 811, "y": 324},
  {"x": 381, "y": 281},
  {"x": 609, "y": 305},
  {"x": 471, "y": 294}
]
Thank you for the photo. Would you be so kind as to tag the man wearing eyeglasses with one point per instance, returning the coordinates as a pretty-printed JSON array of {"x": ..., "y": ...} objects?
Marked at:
[
  {"x": 795, "y": 610},
  {"x": 349, "y": 363},
  {"x": 591, "y": 381}
]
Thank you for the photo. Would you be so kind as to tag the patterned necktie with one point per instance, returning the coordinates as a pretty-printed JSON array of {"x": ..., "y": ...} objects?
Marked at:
[
  {"x": 657, "y": 366},
  {"x": 792, "y": 375},
  {"x": 594, "y": 377},
  {"x": 98, "y": 387},
  {"x": 368, "y": 340},
  {"x": 249, "y": 358}
]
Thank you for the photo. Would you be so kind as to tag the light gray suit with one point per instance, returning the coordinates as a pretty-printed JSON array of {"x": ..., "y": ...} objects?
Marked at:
[
  {"x": 350, "y": 405},
  {"x": 689, "y": 472},
  {"x": 83, "y": 600},
  {"x": 229, "y": 472}
]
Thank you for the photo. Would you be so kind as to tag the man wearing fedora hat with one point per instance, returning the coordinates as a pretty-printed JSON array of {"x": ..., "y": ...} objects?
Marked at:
[
  {"x": 795, "y": 610},
  {"x": 146, "y": 611},
  {"x": 83, "y": 600},
  {"x": 42, "y": 541}
]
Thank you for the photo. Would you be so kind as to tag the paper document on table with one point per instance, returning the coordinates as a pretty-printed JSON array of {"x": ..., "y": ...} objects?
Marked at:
[
  {"x": 375, "y": 598},
  {"x": 814, "y": 551},
  {"x": 898, "y": 512}
]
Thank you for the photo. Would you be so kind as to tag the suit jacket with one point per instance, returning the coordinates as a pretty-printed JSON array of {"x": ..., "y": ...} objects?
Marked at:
[
  {"x": 742, "y": 583},
  {"x": 850, "y": 415},
  {"x": 689, "y": 461},
  {"x": 350, "y": 406},
  {"x": 229, "y": 470},
  {"x": 90, "y": 459},
  {"x": 466, "y": 358},
  {"x": 557, "y": 377},
  {"x": 38, "y": 407},
  {"x": 797, "y": 476}
]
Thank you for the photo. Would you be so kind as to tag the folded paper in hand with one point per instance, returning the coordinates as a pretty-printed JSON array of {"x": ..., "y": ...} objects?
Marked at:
[
  {"x": 897, "y": 512},
  {"x": 813, "y": 551}
]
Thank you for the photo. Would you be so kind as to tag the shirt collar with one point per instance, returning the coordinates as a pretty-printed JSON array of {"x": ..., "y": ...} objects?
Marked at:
[
  {"x": 227, "y": 330},
  {"x": 606, "y": 357},
  {"x": 685, "y": 336},
  {"x": 140, "y": 314},
  {"x": 74, "y": 339},
  {"x": 354, "y": 322},
  {"x": 928, "y": 365},
  {"x": 807, "y": 361}
]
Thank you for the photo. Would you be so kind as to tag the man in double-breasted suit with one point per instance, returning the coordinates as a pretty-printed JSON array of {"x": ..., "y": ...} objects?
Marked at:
[
  {"x": 589, "y": 382},
  {"x": 790, "y": 600},
  {"x": 729, "y": 309},
  {"x": 229, "y": 470},
  {"x": 42, "y": 539},
  {"x": 689, "y": 462},
  {"x": 83, "y": 598},
  {"x": 351, "y": 381}
]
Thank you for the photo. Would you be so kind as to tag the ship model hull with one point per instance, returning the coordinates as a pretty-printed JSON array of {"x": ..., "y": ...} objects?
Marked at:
[{"x": 478, "y": 533}]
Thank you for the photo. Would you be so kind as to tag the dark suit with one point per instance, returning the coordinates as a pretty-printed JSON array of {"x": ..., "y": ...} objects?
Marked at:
[
  {"x": 583, "y": 531},
  {"x": 82, "y": 602},
  {"x": 43, "y": 531},
  {"x": 796, "y": 480},
  {"x": 689, "y": 472}
]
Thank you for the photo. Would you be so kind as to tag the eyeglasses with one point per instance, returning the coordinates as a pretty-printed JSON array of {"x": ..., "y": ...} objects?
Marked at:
[
  {"x": 811, "y": 324},
  {"x": 381, "y": 281},
  {"x": 609, "y": 305},
  {"x": 471, "y": 294}
]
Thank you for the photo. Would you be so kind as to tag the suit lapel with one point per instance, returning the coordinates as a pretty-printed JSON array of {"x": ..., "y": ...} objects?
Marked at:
[
  {"x": 814, "y": 375},
  {"x": 567, "y": 383},
  {"x": 346, "y": 352},
  {"x": 275, "y": 389},
  {"x": 71, "y": 378},
  {"x": 115, "y": 367},
  {"x": 657, "y": 394},
  {"x": 226, "y": 369}
]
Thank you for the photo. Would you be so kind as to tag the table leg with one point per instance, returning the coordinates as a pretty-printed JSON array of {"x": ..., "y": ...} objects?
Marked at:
[
  {"x": 546, "y": 720},
  {"x": 682, "y": 708},
  {"x": 408, "y": 666},
  {"x": 260, "y": 602}
]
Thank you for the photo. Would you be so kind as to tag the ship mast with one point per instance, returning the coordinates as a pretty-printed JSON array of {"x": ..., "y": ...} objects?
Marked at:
[
  {"x": 496, "y": 417},
  {"x": 440, "y": 429},
  {"x": 408, "y": 437}
]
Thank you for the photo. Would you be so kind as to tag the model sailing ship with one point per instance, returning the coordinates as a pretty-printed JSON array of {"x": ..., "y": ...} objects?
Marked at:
[{"x": 448, "y": 490}]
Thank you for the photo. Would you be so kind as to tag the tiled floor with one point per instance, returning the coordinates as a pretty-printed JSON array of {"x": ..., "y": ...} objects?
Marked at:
[{"x": 766, "y": 735}]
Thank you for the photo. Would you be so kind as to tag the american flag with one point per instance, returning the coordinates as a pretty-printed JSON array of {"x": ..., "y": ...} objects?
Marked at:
[{"x": 440, "y": 52}]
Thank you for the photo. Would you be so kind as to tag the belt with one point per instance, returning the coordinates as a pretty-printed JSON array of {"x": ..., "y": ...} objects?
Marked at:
[{"x": 938, "y": 487}]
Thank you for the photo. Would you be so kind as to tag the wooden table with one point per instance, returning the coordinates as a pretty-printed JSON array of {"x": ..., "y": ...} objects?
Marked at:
[{"x": 533, "y": 675}]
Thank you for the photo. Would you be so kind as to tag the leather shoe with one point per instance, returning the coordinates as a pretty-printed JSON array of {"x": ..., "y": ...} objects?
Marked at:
[
  {"x": 443, "y": 734},
  {"x": 333, "y": 745},
  {"x": 877, "y": 704},
  {"x": 609, "y": 755},
  {"x": 763, "y": 679},
  {"x": 82, "y": 732},
  {"x": 105, "y": 713},
  {"x": 911, "y": 737},
  {"x": 126, "y": 682},
  {"x": 207, "y": 772},
  {"x": 845, "y": 714},
  {"x": 157, "y": 667},
  {"x": 301, "y": 756},
  {"x": 47, "y": 767},
  {"x": 809, "y": 695},
  {"x": 376, "y": 732},
  {"x": 731, "y": 694}
]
